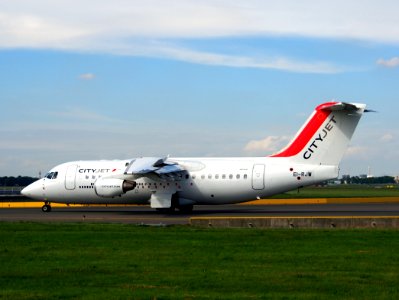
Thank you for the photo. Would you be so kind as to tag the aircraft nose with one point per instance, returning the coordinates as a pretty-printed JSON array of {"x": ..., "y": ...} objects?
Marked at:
[{"x": 34, "y": 190}]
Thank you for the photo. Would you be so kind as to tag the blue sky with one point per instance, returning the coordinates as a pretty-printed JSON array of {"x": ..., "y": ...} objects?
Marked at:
[{"x": 107, "y": 80}]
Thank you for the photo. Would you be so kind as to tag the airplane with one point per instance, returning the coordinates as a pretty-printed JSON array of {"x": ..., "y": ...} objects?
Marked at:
[{"x": 167, "y": 183}]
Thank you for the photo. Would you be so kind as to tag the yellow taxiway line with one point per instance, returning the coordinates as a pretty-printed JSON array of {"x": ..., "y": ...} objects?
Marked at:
[
  {"x": 323, "y": 201},
  {"x": 293, "y": 217},
  {"x": 255, "y": 202}
]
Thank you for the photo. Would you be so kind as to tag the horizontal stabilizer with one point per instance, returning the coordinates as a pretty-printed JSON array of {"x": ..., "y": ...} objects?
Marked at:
[{"x": 336, "y": 106}]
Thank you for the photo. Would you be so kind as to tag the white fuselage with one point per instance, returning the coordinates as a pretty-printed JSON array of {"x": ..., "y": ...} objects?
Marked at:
[
  {"x": 207, "y": 181},
  {"x": 311, "y": 157}
]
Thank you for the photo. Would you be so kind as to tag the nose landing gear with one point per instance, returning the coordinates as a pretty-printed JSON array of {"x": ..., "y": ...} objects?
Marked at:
[{"x": 46, "y": 207}]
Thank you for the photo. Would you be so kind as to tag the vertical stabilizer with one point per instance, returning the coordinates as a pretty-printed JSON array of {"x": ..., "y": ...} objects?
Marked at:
[{"x": 325, "y": 136}]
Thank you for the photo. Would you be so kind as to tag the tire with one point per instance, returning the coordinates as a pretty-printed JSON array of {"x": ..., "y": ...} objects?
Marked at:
[{"x": 46, "y": 208}]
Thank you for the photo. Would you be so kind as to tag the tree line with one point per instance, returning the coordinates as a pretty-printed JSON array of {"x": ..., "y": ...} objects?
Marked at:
[
  {"x": 369, "y": 180},
  {"x": 16, "y": 181}
]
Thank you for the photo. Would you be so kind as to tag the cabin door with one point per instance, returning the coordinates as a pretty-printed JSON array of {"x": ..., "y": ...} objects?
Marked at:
[
  {"x": 258, "y": 177},
  {"x": 70, "y": 177}
]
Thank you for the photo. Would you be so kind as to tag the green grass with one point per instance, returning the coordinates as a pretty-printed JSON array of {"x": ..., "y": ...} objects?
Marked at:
[
  {"x": 114, "y": 261},
  {"x": 342, "y": 191}
]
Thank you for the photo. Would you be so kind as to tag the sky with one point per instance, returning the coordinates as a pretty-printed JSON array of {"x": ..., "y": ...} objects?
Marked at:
[{"x": 118, "y": 79}]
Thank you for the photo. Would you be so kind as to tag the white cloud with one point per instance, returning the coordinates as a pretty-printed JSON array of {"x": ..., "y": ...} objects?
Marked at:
[
  {"x": 167, "y": 50},
  {"x": 389, "y": 63},
  {"x": 269, "y": 144},
  {"x": 66, "y": 19},
  {"x": 36, "y": 31},
  {"x": 87, "y": 76},
  {"x": 356, "y": 151},
  {"x": 387, "y": 137},
  {"x": 110, "y": 27}
]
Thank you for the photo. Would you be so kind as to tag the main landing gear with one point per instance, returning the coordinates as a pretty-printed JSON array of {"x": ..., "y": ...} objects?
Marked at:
[{"x": 46, "y": 207}]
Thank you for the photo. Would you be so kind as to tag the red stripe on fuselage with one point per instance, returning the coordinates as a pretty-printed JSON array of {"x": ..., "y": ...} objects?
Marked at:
[{"x": 308, "y": 132}]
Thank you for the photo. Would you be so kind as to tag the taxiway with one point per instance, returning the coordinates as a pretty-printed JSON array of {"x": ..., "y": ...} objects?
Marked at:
[{"x": 146, "y": 216}]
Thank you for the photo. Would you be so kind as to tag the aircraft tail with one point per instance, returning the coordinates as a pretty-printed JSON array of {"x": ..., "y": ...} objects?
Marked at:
[{"x": 325, "y": 136}]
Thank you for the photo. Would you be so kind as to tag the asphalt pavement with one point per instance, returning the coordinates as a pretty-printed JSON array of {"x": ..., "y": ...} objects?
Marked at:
[{"x": 147, "y": 216}]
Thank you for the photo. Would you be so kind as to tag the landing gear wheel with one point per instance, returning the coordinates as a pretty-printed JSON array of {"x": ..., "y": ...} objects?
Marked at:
[{"x": 46, "y": 208}]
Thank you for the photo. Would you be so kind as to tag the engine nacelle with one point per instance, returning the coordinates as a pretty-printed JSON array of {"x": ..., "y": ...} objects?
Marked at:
[{"x": 112, "y": 187}]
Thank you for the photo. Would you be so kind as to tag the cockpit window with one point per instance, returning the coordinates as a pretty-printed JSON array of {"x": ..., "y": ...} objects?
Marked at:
[{"x": 51, "y": 175}]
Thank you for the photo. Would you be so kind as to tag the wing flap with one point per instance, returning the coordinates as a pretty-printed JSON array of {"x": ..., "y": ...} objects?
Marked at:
[{"x": 147, "y": 166}]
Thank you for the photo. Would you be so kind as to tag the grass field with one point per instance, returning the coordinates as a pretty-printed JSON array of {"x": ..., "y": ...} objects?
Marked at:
[
  {"x": 114, "y": 261},
  {"x": 342, "y": 191}
]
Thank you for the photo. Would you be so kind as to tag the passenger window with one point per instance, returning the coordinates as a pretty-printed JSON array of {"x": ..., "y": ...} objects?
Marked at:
[
  {"x": 216, "y": 176},
  {"x": 231, "y": 176},
  {"x": 202, "y": 176},
  {"x": 224, "y": 176},
  {"x": 193, "y": 177},
  {"x": 238, "y": 176},
  {"x": 245, "y": 176},
  {"x": 209, "y": 176}
]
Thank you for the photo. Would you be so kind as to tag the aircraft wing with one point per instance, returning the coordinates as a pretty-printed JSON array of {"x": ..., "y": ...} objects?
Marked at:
[{"x": 150, "y": 166}]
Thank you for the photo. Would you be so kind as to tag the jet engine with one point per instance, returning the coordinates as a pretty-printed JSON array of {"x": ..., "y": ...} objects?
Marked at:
[{"x": 112, "y": 187}]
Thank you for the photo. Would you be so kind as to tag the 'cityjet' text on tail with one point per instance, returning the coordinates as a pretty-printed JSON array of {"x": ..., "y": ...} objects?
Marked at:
[{"x": 168, "y": 183}]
